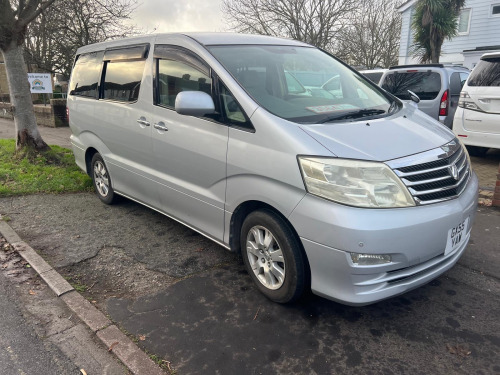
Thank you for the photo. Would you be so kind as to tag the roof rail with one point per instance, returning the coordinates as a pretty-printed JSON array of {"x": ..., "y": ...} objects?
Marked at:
[{"x": 417, "y": 66}]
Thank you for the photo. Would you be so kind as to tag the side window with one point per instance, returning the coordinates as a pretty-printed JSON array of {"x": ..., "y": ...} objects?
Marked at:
[
  {"x": 85, "y": 75},
  {"x": 122, "y": 80},
  {"x": 232, "y": 112},
  {"x": 123, "y": 69},
  {"x": 175, "y": 77}
]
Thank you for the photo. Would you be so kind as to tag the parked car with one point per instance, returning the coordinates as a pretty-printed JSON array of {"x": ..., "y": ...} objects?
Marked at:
[
  {"x": 478, "y": 116},
  {"x": 438, "y": 87},
  {"x": 355, "y": 195},
  {"x": 374, "y": 75}
]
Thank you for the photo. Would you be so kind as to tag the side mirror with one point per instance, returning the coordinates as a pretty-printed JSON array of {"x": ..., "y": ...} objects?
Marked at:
[
  {"x": 194, "y": 103},
  {"x": 414, "y": 96}
]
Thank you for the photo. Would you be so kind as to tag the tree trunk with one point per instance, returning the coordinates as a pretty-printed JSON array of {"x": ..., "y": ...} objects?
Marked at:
[{"x": 27, "y": 134}]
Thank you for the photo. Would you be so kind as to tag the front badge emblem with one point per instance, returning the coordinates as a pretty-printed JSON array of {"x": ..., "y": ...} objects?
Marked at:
[{"x": 453, "y": 171}]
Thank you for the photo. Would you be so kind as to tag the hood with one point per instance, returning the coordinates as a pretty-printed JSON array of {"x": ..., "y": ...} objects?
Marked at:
[{"x": 407, "y": 132}]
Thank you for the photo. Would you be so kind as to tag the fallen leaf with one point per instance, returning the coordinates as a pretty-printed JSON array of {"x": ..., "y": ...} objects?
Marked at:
[
  {"x": 113, "y": 345},
  {"x": 32, "y": 292},
  {"x": 83, "y": 371},
  {"x": 142, "y": 337},
  {"x": 458, "y": 350}
]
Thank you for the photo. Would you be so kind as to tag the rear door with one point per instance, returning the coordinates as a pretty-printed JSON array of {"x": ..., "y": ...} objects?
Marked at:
[
  {"x": 189, "y": 152},
  {"x": 457, "y": 81},
  {"x": 483, "y": 88},
  {"x": 122, "y": 123},
  {"x": 426, "y": 83}
]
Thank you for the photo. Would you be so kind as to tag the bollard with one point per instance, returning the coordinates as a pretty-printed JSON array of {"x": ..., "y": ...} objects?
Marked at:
[{"x": 496, "y": 195}]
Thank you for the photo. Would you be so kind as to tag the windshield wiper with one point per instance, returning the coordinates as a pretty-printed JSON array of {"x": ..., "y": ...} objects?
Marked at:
[{"x": 352, "y": 114}]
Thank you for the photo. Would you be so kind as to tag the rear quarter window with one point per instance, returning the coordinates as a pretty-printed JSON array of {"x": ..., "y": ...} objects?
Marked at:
[
  {"x": 85, "y": 75},
  {"x": 426, "y": 85},
  {"x": 486, "y": 73}
]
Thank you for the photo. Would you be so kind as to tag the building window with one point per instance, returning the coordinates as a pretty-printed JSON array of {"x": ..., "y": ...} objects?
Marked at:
[
  {"x": 495, "y": 10},
  {"x": 464, "y": 21}
]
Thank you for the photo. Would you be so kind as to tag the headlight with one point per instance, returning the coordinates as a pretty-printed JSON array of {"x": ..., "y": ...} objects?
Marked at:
[{"x": 355, "y": 183}]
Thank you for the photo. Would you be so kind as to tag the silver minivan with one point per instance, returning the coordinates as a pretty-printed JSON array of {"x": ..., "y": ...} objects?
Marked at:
[{"x": 341, "y": 189}]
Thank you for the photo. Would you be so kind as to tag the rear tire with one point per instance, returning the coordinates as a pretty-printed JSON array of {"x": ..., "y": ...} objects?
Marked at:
[
  {"x": 102, "y": 180},
  {"x": 273, "y": 256},
  {"x": 477, "y": 150}
]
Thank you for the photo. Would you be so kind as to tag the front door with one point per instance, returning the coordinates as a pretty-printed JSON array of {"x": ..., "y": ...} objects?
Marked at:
[{"x": 189, "y": 152}]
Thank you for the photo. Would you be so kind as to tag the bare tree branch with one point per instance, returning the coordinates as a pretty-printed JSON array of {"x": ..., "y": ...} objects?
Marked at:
[{"x": 317, "y": 22}]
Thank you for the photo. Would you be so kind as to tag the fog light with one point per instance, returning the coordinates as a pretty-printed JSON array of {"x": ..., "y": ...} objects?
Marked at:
[{"x": 370, "y": 259}]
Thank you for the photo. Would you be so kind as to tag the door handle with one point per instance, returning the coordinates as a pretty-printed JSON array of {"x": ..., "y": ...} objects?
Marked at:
[
  {"x": 161, "y": 126},
  {"x": 142, "y": 121}
]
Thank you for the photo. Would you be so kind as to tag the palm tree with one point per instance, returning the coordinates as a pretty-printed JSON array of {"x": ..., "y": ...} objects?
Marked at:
[{"x": 433, "y": 22}]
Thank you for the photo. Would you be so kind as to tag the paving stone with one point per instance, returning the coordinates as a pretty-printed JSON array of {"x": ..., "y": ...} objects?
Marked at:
[
  {"x": 78, "y": 344},
  {"x": 95, "y": 319},
  {"x": 8, "y": 233},
  {"x": 31, "y": 256},
  {"x": 135, "y": 359},
  {"x": 56, "y": 282}
]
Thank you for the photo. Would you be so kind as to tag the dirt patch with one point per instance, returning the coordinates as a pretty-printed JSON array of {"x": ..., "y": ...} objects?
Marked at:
[{"x": 112, "y": 273}]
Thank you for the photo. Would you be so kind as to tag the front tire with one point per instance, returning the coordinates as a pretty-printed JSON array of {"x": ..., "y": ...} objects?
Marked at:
[
  {"x": 102, "y": 180},
  {"x": 273, "y": 256}
]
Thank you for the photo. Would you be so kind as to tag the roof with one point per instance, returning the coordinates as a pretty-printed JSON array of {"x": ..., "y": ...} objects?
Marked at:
[
  {"x": 205, "y": 39},
  {"x": 483, "y": 48},
  {"x": 427, "y": 66},
  {"x": 405, "y": 5},
  {"x": 236, "y": 38}
]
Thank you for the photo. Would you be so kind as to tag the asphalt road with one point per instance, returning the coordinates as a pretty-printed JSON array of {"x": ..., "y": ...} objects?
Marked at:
[{"x": 190, "y": 302}]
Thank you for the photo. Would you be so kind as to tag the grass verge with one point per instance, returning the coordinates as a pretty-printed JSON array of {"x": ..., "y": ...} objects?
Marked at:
[{"x": 54, "y": 171}]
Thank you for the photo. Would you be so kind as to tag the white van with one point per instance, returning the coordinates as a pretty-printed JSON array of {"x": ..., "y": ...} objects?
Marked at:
[
  {"x": 340, "y": 188},
  {"x": 477, "y": 119}
]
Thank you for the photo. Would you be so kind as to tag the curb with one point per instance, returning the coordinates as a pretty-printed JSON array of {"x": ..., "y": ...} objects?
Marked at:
[{"x": 110, "y": 335}]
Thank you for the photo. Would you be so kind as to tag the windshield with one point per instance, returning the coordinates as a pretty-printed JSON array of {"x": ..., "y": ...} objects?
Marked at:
[{"x": 302, "y": 84}]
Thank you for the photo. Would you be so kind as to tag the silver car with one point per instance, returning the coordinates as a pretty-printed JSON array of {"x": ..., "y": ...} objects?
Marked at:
[
  {"x": 344, "y": 190},
  {"x": 437, "y": 86}
]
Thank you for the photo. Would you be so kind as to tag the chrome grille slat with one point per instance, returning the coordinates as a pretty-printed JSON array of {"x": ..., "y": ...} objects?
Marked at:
[
  {"x": 403, "y": 174},
  {"x": 410, "y": 183},
  {"x": 424, "y": 192},
  {"x": 429, "y": 176}
]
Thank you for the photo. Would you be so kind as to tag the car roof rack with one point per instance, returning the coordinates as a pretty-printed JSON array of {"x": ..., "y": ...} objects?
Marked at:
[
  {"x": 429, "y": 66},
  {"x": 417, "y": 66}
]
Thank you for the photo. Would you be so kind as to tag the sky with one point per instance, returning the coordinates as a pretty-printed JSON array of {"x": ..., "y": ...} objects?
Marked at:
[{"x": 179, "y": 15}]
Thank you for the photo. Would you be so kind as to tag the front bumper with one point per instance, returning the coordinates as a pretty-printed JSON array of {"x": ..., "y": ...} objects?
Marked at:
[{"x": 415, "y": 237}]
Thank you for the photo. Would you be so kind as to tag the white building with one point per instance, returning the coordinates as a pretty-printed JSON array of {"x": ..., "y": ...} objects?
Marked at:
[{"x": 478, "y": 33}]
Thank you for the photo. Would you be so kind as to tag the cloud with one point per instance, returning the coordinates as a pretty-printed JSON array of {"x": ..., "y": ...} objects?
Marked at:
[{"x": 178, "y": 15}]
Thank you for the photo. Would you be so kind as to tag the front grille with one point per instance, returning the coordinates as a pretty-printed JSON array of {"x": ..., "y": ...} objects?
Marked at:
[{"x": 433, "y": 181}]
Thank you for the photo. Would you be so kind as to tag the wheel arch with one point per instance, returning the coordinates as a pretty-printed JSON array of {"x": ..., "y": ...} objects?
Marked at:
[
  {"x": 89, "y": 154},
  {"x": 245, "y": 209}
]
